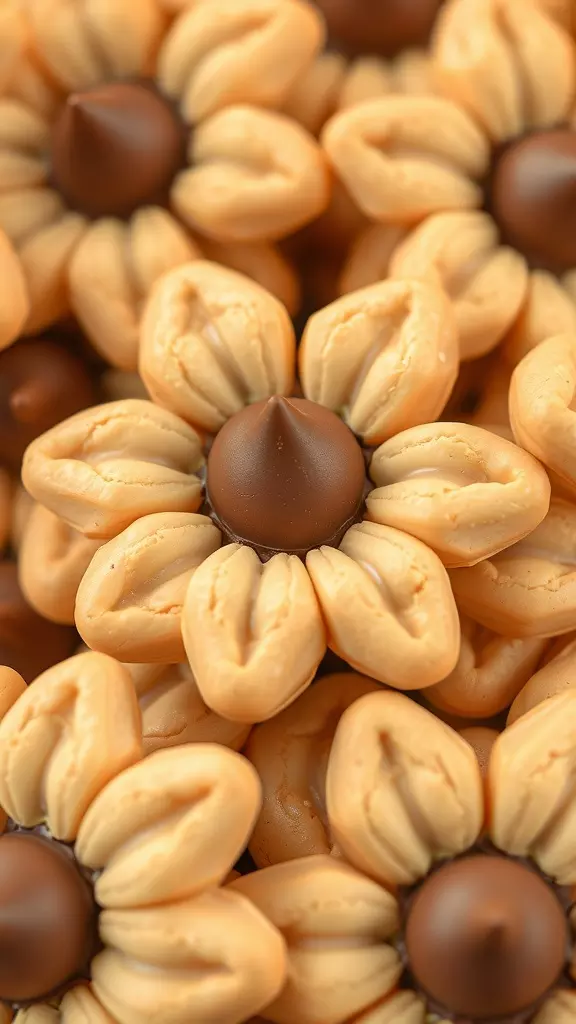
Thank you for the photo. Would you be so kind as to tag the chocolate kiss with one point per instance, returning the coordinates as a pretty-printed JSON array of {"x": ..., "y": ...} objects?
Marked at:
[
  {"x": 116, "y": 148},
  {"x": 47, "y": 918},
  {"x": 19, "y": 622},
  {"x": 285, "y": 475},
  {"x": 381, "y": 27},
  {"x": 534, "y": 198},
  {"x": 486, "y": 937},
  {"x": 41, "y": 383}
]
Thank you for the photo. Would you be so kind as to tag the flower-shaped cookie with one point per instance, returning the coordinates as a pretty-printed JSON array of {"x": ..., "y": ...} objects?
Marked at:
[
  {"x": 122, "y": 129},
  {"x": 251, "y": 560},
  {"x": 453, "y": 903},
  {"x": 482, "y": 175},
  {"x": 111, "y": 865}
]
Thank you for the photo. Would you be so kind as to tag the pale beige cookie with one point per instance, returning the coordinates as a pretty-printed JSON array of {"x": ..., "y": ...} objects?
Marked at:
[
  {"x": 112, "y": 271},
  {"x": 529, "y": 590},
  {"x": 130, "y": 599},
  {"x": 173, "y": 712},
  {"x": 12, "y": 42},
  {"x": 531, "y": 788},
  {"x": 490, "y": 673},
  {"x": 554, "y": 677},
  {"x": 413, "y": 73},
  {"x": 402, "y": 790},
  {"x": 52, "y": 560},
  {"x": 549, "y": 310},
  {"x": 506, "y": 62},
  {"x": 366, "y": 78},
  {"x": 104, "y": 468},
  {"x": 402, "y": 1007},
  {"x": 68, "y": 734},
  {"x": 208, "y": 59},
  {"x": 14, "y": 301},
  {"x": 214, "y": 958},
  {"x": 290, "y": 754},
  {"x": 263, "y": 263},
  {"x": 80, "y": 51},
  {"x": 317, "y": 93},
  {"x": 213, "y": 341},
  {"x": 369, "y": 258},
  {"x": 254, "y": 175},
  {"x": 562, "y": 10},
  {"x": 253, "y": 632},
  {"x": 22, "y": 506},
  {"x": 388, "y": 607},
  {"x": 80, "y": 1006},
  {"x": 460, "y": 489},
  {"x": 405, "y": 157},
  {"x": 184, "y": 796},
  {"x": 385, "y": 358},
  {"x": 462, "y": 253},
  {"x": 541, "y": 412},
  {"x": 42, "y": 1014},
  {"x": 45, "y": 258},
  {"x": 559, "y": 1008},
  {"x": 162, "y": 836},
  {"x": 11, "y": 687},
  {"x": 340, "y": 956}
]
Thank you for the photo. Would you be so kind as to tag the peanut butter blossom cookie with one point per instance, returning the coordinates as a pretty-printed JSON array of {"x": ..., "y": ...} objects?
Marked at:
[
  {"x": 111, "y": 901},
  {"x": 448, "y": 896},
  {"x": 246, "y": 529},
  {"x": 125, "y": 131},
  {"x": 489, "y": 197}
]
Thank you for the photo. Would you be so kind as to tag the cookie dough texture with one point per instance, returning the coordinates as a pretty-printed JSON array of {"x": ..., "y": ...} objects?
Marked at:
[
  {"x": 161, "y": 833},
  {"x": 473, "y": 214},
  {"x": 241, "y": 172},
  {"x": 232, "y": 593},
  {"x": 405, "y": 792}
]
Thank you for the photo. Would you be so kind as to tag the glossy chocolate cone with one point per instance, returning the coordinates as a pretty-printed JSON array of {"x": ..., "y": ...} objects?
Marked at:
[
  {"x": 115, "y": 149},
  {"x": 285, "y": 475}
]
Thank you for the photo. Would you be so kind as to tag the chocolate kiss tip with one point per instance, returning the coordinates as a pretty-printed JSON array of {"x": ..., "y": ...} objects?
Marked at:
[
  {"x": 486, "y": 937},
  {"x": 116, "y": 148},
  {"x": 285, "y": 474}
]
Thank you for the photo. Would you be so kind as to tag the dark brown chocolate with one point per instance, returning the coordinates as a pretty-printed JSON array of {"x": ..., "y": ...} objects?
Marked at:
[
  {"x": 28, "y": 643},
  {"x": 116, "y": 148},
  {"x": 486, "y": 937},
  {"x": 285, "y": 475},
  {"x": 533, "y": 198},
  {"x": 380, "y": 27},
  {"x": 41, "y": 383},
  {"x": 47, "y": 918}
]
